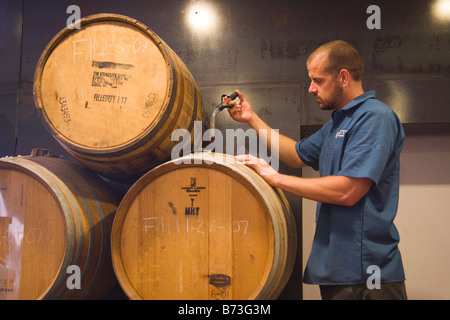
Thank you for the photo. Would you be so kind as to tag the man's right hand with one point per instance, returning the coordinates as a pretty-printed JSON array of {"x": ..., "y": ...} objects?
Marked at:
[{"x": 242, "y": 111}]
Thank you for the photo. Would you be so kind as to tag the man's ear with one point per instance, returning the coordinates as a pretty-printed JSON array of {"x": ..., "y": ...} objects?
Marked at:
[{"x": 344, "y": 77}]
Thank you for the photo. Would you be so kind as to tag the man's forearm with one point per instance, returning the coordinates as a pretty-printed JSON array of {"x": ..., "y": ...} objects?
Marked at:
[
  {"x": 278, "y": 144},
  {"x": 338, "y": 190}
]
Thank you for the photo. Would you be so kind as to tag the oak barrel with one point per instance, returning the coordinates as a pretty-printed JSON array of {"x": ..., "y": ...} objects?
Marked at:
[
  {"x": 112, "y": 93},
  {"x": 55, "y": 224},
  {"x": 208, "y": 229}
]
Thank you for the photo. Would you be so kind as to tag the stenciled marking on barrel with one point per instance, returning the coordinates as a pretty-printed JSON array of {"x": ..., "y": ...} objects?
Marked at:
[
  {"x": 111, "y": 65},
  {"x": 110, "y": 79},
  {"x": 64, "y": 109},
  {"x": 193, "y": 190}
]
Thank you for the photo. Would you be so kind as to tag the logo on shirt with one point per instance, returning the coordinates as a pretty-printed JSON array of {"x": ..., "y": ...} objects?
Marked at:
[{"x": 340, "y": 134}]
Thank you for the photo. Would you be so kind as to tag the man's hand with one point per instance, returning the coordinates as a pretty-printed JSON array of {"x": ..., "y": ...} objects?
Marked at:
[
  {"x": 241, "y": 112},
  {"x": 260, "y": 166},
  {"x": 341, "y": 190}
]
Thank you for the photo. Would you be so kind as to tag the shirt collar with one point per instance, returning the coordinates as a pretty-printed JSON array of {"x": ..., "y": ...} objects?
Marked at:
[{"x": 360, "y": 99}]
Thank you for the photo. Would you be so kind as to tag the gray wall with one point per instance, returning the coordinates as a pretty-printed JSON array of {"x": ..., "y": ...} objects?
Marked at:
[{"x": 259, "y": 47}]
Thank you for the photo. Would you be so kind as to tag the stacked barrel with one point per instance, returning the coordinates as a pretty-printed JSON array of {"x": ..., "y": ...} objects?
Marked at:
[{"x": 112, "y": 93}]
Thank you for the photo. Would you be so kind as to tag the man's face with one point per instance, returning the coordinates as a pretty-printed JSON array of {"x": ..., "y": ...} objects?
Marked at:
[{"x": 324, "y": 85}]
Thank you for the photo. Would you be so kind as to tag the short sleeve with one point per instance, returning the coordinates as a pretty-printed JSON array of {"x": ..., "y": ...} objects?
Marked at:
[
  {"x": 309, "y": 149},
  {"x": 370, "y": 144}
]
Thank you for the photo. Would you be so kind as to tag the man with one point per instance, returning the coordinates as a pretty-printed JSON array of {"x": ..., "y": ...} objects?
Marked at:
[{"x": 357, "y": 153}]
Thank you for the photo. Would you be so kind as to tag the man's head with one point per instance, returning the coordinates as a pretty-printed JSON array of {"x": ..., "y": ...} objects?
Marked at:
[{"x": 335, "y": 69}]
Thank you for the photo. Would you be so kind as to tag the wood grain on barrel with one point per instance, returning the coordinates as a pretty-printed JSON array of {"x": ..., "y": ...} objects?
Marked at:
[
  {"x": 203, "y": 231},
  {"x": 58, "y": 215},
  {"x": 112, "y": 93}
]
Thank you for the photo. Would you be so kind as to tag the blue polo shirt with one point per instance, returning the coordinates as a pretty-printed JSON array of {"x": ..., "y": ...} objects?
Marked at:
[{"x": 362, "y": 140}]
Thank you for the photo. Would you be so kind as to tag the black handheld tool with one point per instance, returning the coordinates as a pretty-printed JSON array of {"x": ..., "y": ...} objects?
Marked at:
[
  {"x": 220, "y": 107},
  {"x": 232, "y": 96}
]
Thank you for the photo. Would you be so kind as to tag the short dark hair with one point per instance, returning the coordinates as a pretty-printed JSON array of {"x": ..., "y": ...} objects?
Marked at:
[{"x": 341, "y": 55}]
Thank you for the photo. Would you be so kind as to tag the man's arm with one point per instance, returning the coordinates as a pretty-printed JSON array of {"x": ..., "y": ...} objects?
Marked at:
[
  {"x": 243, "y": 112},
  {"x": 338, "y": 190}
]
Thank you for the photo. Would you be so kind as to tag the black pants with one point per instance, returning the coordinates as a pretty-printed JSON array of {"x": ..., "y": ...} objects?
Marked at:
[{"x": 387, "y": 291}]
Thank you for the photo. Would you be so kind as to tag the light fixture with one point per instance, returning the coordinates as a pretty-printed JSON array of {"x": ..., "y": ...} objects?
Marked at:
[
  {"x": 441, "y": 9},
  {"x": 201, "y": 17}
]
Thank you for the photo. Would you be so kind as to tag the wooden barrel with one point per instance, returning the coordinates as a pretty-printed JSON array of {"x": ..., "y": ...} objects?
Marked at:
[
  {"x": 55, "y": 224},
  {"x": 112, "y": 93},
  {"x": 211, "y": 229}
]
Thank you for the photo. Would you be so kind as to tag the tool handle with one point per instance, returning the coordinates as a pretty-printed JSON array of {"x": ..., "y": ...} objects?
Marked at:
[{"x": 232, "y": 96}]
